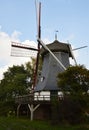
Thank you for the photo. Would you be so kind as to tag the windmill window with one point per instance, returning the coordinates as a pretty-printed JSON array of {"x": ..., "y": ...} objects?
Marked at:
[{"x": 42, "y": 78}]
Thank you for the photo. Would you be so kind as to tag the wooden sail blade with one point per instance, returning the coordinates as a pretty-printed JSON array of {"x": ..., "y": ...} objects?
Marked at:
[
  {"x": 38, "y": 16},
  {"x": 18, "y": 52},
  {"x": 79, "y": 48},
  {"x": 21, "y": 50},
  {"x": 72, "y": 54},
  {"x": 19, "y": 45}
]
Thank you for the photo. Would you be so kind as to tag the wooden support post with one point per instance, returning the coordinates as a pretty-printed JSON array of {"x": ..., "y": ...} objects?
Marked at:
[
  {"x": 18, "y": 110},
  {"x": 32, "y": 109}
]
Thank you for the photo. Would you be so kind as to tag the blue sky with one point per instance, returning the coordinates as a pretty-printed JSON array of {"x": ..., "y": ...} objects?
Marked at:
[{"x": 69, "y": 17}]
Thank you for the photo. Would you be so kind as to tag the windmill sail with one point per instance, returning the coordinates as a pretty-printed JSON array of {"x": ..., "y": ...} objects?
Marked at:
[
  {"x": 21, "y": 50},
  {"x": 38, "y": 16},
  {"x": 72, "y": 54}
]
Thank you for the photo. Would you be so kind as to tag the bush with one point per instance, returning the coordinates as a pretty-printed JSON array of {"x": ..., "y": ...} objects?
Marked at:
[
  {"x": 7, "y": 107},
  {"x": 70, "y": 111}
]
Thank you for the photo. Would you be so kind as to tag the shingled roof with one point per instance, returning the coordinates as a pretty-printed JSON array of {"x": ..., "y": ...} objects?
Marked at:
[{"x": 57, "y": 46}]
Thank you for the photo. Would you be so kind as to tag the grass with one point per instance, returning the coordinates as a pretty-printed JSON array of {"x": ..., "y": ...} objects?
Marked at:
[{"x": 8, "y": 123}]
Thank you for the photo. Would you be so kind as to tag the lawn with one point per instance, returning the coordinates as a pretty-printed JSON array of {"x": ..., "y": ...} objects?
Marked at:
[{"x": 8, "y": 123}]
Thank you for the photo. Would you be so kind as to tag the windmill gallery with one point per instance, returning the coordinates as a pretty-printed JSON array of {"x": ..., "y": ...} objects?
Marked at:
[{"x": 39, "y": 103}]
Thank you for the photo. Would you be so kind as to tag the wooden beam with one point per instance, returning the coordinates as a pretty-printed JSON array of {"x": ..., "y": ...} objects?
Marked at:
[
  {"x": 32, "y": 109},
  {"x": 23, "y": 47},
  {"x": 18, "y": 110}
]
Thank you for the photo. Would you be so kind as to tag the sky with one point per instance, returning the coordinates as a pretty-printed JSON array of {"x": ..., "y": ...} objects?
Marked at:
[{"x": 18, "y": 23}]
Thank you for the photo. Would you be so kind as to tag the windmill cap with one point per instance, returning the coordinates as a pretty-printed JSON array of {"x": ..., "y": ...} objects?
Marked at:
[{"x": 57, "y": 46}]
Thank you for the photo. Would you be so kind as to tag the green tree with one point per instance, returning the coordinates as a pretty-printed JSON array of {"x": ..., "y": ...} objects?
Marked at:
[
  {"x": 74, "y": 80},
  {"x": 30, "y": 67},
  {"x": 17, "y": 81},
  {"x": 14, "y": 82},
  {"x": 74, "y": 83}
]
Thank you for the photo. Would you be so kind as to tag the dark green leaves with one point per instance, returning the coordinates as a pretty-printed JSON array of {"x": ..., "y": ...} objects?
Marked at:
[{"x": 75, "y": 79}]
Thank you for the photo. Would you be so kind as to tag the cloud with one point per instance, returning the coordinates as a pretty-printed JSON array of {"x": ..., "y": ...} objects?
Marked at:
[
  {"x": 15, "y": 35},
  {"x": 30, "y": 43},
  {"x": 0, "y": 27},
  {"x": 4, "y": 45},
  {"x": 46, "y": 41},
  {"x": 6, "y": 60}
]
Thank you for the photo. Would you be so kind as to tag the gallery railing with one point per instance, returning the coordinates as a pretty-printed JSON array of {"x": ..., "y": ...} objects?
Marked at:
[{"x": 35, "y": 98}]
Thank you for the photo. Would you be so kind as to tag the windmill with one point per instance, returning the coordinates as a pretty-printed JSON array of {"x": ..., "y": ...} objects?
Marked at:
[
  {"x": 55, "y": 57},
  {"x": 55, "y": 60}
]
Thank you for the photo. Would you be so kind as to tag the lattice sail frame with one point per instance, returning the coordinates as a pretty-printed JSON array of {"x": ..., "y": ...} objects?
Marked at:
[{"x": 22, "y": 50}]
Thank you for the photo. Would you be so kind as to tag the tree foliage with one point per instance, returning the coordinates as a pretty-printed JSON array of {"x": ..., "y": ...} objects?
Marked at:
[
  {"x": 14, "y": 82},
  {"x": 74, "y": 80},
  {"x": 74, "y": 83},
  {"x": 17, "y": 80}
]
